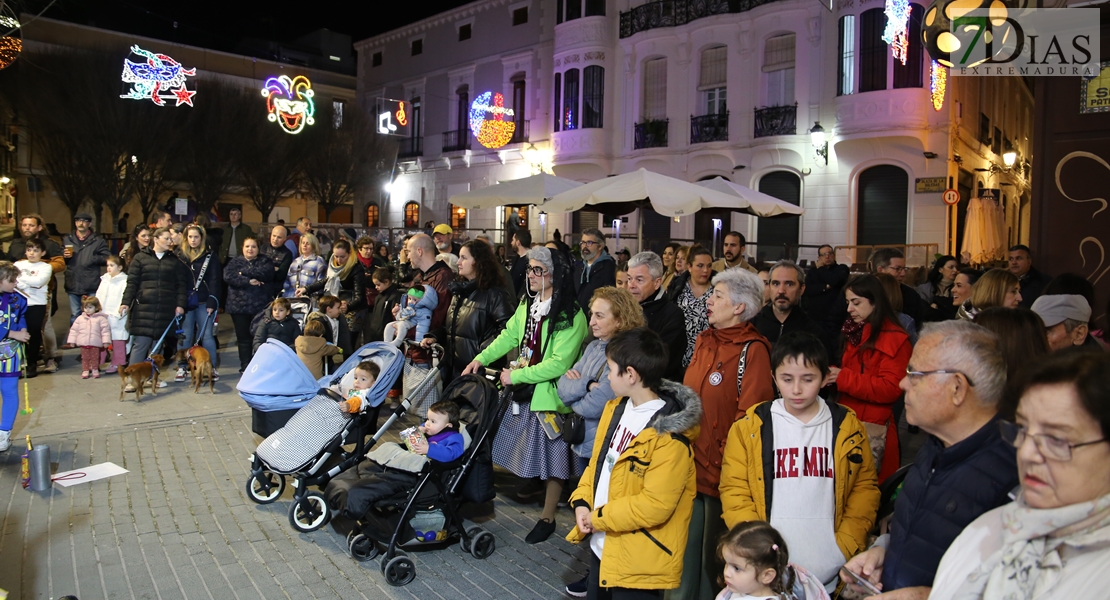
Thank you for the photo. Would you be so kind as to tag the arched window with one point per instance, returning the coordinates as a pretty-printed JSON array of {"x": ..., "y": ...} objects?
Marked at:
[
  {"x": 776, "y": 234},
  {"x": 412, "y": 214},
  {"x": 372, "y": 215},
  {"x": 458, "y": 217},
  {"x": 882, "y": 206}
]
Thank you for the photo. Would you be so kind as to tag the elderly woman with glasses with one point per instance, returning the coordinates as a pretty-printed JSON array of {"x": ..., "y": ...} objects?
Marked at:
[
  {"x": 547, "y": 329},
  {"x": 1053, "y": 541}
]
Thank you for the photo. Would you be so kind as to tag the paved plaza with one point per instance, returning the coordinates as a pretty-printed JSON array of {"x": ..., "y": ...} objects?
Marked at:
[{"x": 179, "y": 524}]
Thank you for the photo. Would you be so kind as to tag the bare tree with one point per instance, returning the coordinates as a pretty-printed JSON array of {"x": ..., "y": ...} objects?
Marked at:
[
  {"x": 216, "y": 142},
  {"x": 270, "y": 164},
  {"x": 342, "y": 163}
]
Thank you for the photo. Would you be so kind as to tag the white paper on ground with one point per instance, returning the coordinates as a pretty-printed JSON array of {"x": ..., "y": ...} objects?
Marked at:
[{"x": 89, "y": 473}]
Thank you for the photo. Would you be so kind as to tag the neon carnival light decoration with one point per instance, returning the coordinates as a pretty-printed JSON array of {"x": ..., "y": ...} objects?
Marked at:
[
  {"x": 487, "y": 120},
  {"x": 402, "y": 118},
  {"x": 158, "y": 78},
  {"x": 289, "y": 102},
  {"x": 938, "y": 83},
  {"x": 897, "y": 27},
  {"x": 10, "y": 47}
]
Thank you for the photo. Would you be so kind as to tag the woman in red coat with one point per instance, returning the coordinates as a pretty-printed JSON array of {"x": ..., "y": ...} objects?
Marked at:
[{"x": 876, "y": 352}]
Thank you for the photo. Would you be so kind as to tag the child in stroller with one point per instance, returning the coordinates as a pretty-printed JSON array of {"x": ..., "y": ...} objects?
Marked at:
[{"x": 416, "y": 311}]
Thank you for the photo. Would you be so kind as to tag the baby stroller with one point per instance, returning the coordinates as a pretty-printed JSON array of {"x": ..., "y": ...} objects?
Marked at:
[
  {"x": 431, "y": 508},
  {"x": 300, "y": 308},
  {"x": 309, "y": 447}
]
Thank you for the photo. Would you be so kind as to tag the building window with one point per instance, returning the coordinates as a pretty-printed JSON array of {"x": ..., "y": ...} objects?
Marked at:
[
  {"x": 846, "y": 66},
  {"x": 519, "y": 96},
  {"x": 417, "y": 126},
  {"x": 882, "y": 206},
  {"x": 412, "y": 214},
  {"x": 464, "y": 32},
  {"x": 595, "y": 8},
  {"x": 458, "y": 217},
  {"x": 376, "y": 59},
  {"x": 372, "y": 215},
  {"x": 712, "y": 79},
  {"x": 337, "y": 107},
  {"x": 777, "y": 234},
  {"x": 558, "y": 102},
  {"x": 462, "y": 107},
  {"x": 520, "y": 16},
  {"x": 574, "y": 9},
  {"x": 778, "y": 66},
  {"x": 593, "y": 97},
  {"x": 417, "y": 47},
  {"x": 873, "y": 51},
  {"x": 570, "y": 100},
  {"x": 984, "y": 129},
  {"x": 559, "y": 11},
  {"x": 655, "y": 90},
  {"x": 911, "y": 74}
]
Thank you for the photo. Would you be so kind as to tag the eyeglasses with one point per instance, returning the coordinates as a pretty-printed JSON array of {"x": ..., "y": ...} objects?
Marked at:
[
  {"x": 1049, "y": 447},
  {"x": 913, "y": 374},
  {"x": 824, "y": 254},
  {"x": 537, "y": 271},
  {"x": 898, "y": 269},
  {"x": 588, "y": 243}
]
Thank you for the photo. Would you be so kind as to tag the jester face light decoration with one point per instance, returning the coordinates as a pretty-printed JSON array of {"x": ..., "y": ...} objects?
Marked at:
[
  {"x": 289, "y": 102},
  {"x": 157, "y": 78}
]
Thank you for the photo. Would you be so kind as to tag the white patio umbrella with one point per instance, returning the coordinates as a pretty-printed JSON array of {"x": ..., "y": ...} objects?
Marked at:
[
  {"x": 666, "y": 195},
  {"x": 529, "y": 190},
  {"x": 760, "y": 204}
]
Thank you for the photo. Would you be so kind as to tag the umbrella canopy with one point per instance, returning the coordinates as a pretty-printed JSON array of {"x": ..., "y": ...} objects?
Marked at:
[
  {"x": 641, "y": 189},
  {"x": 529, "y": 190},
  {"x": 759, "y": 204}
]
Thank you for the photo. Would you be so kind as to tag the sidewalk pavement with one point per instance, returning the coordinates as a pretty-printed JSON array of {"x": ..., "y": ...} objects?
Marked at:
[{"x": 179, "y": 525}]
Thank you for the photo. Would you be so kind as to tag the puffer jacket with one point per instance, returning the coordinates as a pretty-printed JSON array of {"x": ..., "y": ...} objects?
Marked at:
[
  {"x": 90, "y": 330},
  {"x": 110, "y": 294},
  {"x": 83, "y": 270},
  {"x": 944, "y": 491},
  {"x": 286, "y": 331},
  {"x": 651, "y": 493},
  {"x": 208, "y": 287},
  {"x": 716, "y": 358},
  {"x": 242, "y": 297},
  {"x": 373, "y": 328},
  {"x": 577, "y": 396},
  {"x": 868, "y": 384},
  {"x": 156, "y": 287},
  {"x": 748, "y": 475},
  {"x": 474, "y": 320},
  {"x": 303, "y": 272}
]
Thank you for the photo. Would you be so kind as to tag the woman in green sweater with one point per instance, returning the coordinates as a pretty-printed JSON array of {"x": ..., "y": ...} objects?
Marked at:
[{"x": 548, "y": 329}]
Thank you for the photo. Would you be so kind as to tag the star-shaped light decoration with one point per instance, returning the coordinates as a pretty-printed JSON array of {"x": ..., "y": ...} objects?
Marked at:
[{"x": 184, "y": 96}]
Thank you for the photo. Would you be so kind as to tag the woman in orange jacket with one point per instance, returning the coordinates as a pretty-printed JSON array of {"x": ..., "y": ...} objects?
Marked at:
[{"x": 876, "y": 352}]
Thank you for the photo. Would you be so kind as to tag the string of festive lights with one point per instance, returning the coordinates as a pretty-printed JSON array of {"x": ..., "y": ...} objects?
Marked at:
[
  {"x": 896, "y": 32},
  {"x": 158, "y": 78},
  {"x": 487, "y": 120},
  {"x": 289, "y": 102},
  {"x": 938, "y": 83},
  {"x": 10, "y": 47}
]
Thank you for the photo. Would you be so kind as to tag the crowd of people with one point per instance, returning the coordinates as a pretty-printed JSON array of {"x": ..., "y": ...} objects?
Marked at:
[{"x": 742, "y": 430}]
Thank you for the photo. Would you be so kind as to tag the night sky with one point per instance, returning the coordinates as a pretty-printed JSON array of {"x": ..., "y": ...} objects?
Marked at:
[{"x": 221, "y": 24}]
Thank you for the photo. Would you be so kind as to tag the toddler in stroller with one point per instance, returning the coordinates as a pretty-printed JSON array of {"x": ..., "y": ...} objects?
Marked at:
[{"x": 416, "y": 311}]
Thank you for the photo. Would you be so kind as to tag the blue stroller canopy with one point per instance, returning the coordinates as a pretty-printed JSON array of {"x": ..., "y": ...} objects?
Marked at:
[
  {"x": 388, "y": 358},
  {"x": 276, "y": 379}
]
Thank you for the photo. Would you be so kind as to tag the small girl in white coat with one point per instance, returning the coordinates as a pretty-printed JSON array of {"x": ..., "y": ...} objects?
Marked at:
[{"x": 110, "y": 294}]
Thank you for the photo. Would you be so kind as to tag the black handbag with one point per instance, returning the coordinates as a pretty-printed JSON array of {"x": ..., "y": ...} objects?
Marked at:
[{"x": 573, "y": 428}]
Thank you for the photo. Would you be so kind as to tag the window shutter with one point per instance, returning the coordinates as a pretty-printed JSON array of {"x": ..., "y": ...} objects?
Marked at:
[
  {"x": 713, "y": 66},
  {"x": 655, "y": 89},
  {"x": 779, "y": 53}
]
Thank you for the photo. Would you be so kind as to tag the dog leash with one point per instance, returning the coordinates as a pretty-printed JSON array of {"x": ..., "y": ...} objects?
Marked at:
[
  {"x": 158, "y": 346},
  {"x": 204, "y": 326}
]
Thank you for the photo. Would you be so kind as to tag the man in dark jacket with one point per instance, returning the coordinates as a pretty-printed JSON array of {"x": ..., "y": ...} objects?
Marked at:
[
  {"x": 422, "y": 256},
  {"x": 521, "y": 244},
  {"x": 389, "y": 295},
  {"x": 783, "y": 315},
  {"x": 964, "y": 469},
  {"x": 645, "y": 281},
  {"x": 822, "y": 299},
  {"x": 596, "y": 270},
  {"x": 234, "y": 232},
  {"x": 158, "y": 284},
  {"x": 1032, "y": 281},
  {"x": 85, "y": 252},
  {"x": 893, "y": 262},
  {"x": 280, "y": 254}
]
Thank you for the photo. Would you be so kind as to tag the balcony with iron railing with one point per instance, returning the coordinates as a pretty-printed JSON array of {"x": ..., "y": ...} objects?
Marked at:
[
  {"x": 410, "y": 147},
  {"x": 456, "y": 141},
  {"x": 520, "y": 134},
  {"x": 651, "y": 134},
  {"x": 709, "y": 128},
  {"x": 671, "y": 13},
  {"x": 776, "y": 120}
]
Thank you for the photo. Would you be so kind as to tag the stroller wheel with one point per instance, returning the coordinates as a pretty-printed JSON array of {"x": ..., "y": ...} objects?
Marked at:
[
  {"x": 399, "y": 571},
  {"x": 361, "y": 548},
  {"x": 309, "y": 513},
  {"x": 264, "y": 487},
  {"x": 482, "y": 545},
  {"x": 470, "y": 534}
]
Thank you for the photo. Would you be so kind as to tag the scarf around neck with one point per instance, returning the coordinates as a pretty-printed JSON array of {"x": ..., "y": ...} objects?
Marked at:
[{"x": 853, "y": 332}]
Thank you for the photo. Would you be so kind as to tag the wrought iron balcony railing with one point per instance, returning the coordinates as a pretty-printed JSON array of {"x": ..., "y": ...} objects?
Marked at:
[
  {"x": 776, "y": 120},
  {"x": 651, "y": 134},
  {"x": 454, "y": 141},
  {"x": 709, "y": 128},
  {"x": 671, "y": 13},
  {"x": 520, "y": 134},
  {"x": 410, "y": 147}
]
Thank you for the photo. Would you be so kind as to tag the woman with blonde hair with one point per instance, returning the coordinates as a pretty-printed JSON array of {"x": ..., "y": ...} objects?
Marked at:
[
  {"x": 670, "y": 253},
  {"x": 307, "y": 269},
  {"x": 204, "y": 292},
  {"x": 997, "y": 287}
]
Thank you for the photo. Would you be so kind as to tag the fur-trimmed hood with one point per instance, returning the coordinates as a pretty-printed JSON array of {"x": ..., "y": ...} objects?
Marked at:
[{"x": 682, "y": 413}]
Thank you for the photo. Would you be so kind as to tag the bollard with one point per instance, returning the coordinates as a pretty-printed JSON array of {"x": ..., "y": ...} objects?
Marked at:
[{"x": 40, "y": 467}]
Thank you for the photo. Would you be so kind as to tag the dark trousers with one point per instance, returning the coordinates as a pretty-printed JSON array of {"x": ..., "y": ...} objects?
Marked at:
[
  {"x": 35, "y": 316},
  {"x": 243, "y": 338},
  {"x": 594, "y": 591}
]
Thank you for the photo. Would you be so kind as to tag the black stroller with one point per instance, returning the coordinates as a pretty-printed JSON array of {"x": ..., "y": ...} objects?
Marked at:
[{"x": 427, "y": 516}]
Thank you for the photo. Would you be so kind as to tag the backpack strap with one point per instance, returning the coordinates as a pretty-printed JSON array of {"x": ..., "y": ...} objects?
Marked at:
[{"x": 741, "y": 365}]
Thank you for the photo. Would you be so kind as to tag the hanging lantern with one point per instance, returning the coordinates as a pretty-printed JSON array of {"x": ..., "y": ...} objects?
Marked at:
[{"x": 947, "y": 46}]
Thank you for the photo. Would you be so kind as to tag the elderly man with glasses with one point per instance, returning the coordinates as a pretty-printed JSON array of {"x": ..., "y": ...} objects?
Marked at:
[
  {"x": 953, "y": 385},
  {"x": 596, "y": 270}
]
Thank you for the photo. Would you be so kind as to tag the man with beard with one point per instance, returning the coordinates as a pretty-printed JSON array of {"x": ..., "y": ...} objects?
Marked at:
[
  {"x": 596, "y": 270},
  {"x": 645, "y": 283},
  {"x": 444, "y": 240},
  {"x": 85, "y": 252},
  {"x": 822, "y": 299},
  {"x": 521, "y": 244},
  {"x": 734, "y": 253},
  {"x": 892, "y": 262},
  {"x": 783, "y": 315},
  {"x": 32, "y": 225},
  {"x": 280, "y": 254}
]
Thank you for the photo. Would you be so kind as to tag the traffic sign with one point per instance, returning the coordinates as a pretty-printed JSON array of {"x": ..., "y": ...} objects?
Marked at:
[{"x": 951, "y": 197}]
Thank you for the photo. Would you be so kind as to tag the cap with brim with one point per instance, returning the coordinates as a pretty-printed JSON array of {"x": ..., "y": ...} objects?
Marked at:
[
  {"x": 1056, "y": 308},
  {"x": 443, "y": 229},
  {"x": 82, "y": 217}
]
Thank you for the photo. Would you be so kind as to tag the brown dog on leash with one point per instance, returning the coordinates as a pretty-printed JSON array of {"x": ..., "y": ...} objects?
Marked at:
[
  {"x": 138, "y": 374},
  {"x": 200, "y": 367}
]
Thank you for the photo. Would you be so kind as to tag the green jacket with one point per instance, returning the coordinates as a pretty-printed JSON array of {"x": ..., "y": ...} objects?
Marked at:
[{"x": 560, "y": 352}]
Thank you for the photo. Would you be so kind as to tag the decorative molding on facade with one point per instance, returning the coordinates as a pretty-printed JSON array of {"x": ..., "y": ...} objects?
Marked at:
[
  {"x": 842, "y": 5},
  {"x": 814, "y": 26},
  {"x": 592, "y": 31},
  {"x": 595, "y": 56}
]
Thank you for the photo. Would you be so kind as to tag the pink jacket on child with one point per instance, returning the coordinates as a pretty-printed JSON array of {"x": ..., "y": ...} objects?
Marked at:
[{"x": 91, "y": 331}]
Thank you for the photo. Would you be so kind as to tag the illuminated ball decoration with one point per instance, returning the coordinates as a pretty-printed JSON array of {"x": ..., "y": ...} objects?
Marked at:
[
  {"x": 944, "y": 44},
  {"x": 488, "y": 120},
  {"x": 10, "y": 47},
  {"x": 289, "y": 102},
  {"x": 938, "y": 83}
]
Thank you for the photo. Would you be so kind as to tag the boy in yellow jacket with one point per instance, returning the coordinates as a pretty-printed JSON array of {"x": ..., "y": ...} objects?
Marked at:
[{"x": 637, "y": 493}]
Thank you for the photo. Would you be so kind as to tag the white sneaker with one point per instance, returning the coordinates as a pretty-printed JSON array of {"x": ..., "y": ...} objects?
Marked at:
[
  {"x": 162, "y": 384},
  {"x": 181, "y": 374},
  {"x": 5, "y": 440},
  {"x": 215, "y": 375}
]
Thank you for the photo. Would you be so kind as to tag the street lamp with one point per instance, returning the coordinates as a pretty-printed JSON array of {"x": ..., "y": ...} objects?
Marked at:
[
  {"x": 1009, "y": 158},
  {"x": 4, "y": 180},
  {"x": 820, "y": 141}
]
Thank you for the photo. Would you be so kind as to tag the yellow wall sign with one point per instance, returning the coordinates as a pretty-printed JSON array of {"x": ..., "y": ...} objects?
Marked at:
[
  {"x": 929, "y": 185},
  {"x": 1096, "y": 92}
]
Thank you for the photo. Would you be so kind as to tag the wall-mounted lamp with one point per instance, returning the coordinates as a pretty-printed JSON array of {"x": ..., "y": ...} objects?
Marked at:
[
  {"x": 820, "y": 141},
  {"x": 930, "y": 154},
  {"x": 1009, "y": 158},
  {"x": 4, "y": 180},
  {"x": 388, "y": 188}
]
